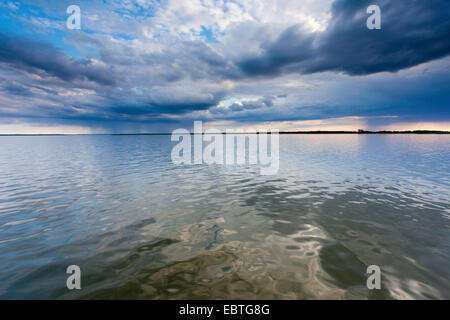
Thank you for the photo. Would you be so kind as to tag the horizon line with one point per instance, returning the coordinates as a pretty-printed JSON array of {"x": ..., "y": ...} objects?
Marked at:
[{"x": 256, "y": 132}]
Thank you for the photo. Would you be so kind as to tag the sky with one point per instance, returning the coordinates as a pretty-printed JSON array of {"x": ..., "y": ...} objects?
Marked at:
[{"x": 158, "y": 65}]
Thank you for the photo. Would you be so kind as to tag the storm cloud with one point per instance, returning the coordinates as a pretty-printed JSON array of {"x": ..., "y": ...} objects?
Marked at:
[
  {"x": 43, "y": 58},
  {"x": 413, "y": 32}
]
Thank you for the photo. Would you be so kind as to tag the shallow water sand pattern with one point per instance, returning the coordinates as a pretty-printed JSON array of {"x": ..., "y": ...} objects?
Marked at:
[{"x": 142, "y": 228}]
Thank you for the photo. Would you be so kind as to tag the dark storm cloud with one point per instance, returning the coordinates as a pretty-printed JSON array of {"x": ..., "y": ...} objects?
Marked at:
[
  {"x": 413, "y": 32},
  {"x": 168, "y": 107},
  {"x": 45, "y": 59}
]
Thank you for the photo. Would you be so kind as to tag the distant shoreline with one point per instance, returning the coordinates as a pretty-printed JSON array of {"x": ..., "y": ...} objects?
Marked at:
[{"x": 281, "y": 132}]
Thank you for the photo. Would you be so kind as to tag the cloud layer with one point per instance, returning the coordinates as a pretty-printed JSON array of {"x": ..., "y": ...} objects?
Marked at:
[{"x": 150, "y": 65}]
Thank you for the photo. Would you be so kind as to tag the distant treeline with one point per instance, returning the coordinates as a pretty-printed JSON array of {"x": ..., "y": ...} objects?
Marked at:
[
  {"x": 313, "y": 132},
  {"x": 368, "y": 132},
  {"x": 281, "y": 132}
]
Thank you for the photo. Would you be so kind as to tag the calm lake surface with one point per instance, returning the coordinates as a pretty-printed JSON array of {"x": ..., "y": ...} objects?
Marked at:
[{"x": 141, "y": 227}]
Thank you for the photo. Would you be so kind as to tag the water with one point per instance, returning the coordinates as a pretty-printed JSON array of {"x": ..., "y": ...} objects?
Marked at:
[{"x": 141, "y": 227}]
